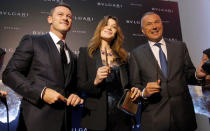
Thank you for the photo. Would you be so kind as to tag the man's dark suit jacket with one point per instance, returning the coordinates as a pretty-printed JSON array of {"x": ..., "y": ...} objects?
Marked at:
[
  {"x": 36, "y": 64},
  {"x": 95, "y": 111},
  {"x": 174, "y": 98}
]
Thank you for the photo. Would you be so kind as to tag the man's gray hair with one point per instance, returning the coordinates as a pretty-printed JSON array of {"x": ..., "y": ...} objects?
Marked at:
[{"x": 145, "y": 14}]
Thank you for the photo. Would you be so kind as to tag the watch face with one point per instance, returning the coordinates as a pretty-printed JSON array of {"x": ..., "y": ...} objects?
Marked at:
[{"x": 206, "y": 67}]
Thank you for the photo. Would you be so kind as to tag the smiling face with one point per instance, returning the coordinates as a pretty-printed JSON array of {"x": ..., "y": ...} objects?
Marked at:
[
  {"x": 108, "y": 32},
  {"x": 152, "y": 27},
  {"x": 60, "y": 20}
]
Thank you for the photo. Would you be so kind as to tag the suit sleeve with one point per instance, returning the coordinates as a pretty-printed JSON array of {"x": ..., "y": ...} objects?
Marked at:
[
  {"x": 73, "y": 82},
  {"x": 85, "y": 83},
  {"x": 15, "y": 74},
  {"x": 189, "y": 68}
]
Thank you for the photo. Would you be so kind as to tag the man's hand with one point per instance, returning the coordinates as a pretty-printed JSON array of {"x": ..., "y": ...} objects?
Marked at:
[
  {"x": 151, "y": 88},
  {"x": 135, "y": 93},
  {"x": 51, "y": 96},
  {"x": 200, "y": 73},
  {"x": 74, "y": 100},
  {"x": 3, "y": 93}
]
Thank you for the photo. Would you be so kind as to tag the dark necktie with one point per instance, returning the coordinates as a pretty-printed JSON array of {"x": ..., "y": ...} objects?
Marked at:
[
  {"x": 163, "y": 61},
  {"x": 62, "y": 52}
]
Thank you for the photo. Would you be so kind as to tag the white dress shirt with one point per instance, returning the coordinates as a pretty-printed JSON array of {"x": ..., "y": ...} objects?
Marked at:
[
  {"x": 55, "y": 40},
  {"x": 155, "y": 49}
]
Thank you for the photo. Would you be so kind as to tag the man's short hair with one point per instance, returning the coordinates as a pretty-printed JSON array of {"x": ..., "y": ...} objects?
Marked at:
[{"x": 59, "y": 4}]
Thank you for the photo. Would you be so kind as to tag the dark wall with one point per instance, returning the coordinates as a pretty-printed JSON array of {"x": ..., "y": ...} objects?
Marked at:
[{"x": 19, "y": 17}]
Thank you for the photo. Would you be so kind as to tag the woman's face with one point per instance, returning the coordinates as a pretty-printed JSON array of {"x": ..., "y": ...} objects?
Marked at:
[{"x": 108, "y": 32}]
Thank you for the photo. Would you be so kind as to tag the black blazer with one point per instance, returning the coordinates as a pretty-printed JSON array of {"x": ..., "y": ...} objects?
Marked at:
[
  {"x": 36, "y": 64},
  {"x": 94, "y": 114},
  {"x": 174, "y": 98}
]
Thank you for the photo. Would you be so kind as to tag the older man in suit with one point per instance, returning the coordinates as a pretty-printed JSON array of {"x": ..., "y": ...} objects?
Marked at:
[
  {"x": 42, "y": 71},
  {"x": 162, "y": 69}
]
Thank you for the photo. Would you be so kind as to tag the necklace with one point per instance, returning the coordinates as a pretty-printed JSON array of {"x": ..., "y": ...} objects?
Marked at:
[{"x": 108, "y": 53}]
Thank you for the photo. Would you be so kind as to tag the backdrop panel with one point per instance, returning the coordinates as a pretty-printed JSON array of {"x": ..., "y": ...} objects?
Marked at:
[{"x": 21, "y": 17}]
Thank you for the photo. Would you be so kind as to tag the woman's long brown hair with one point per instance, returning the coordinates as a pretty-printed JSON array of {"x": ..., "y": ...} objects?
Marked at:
[{"x": 116, "y": 43}]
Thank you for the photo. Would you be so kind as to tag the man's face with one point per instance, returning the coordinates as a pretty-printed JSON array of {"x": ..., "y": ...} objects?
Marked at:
[
  {"x": 108, "y": 32},
  {"x": 60, "y": 20},
  {"x": 152, "y": 27},
  {"x": 205, "y": 58}
]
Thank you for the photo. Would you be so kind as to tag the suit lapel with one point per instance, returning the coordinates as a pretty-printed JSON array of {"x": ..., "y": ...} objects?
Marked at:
[
  {"x": 150, "y": 56},
  {"x": 55, "y": 58},
  {"x": 69, "y": 68},
  {"x": 170, "y": 52},
  {"x": 97, "y": 59},
  {"x": 123, "y": 75}
]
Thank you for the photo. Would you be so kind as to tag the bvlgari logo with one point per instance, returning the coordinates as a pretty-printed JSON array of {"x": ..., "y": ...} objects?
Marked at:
[
  {"x": 166, "y": 21},
  {"x": 113, "y": 5},
  {"x": 79, "y": 31},
  {"x": 138, "y": 35},
  {"x": 163, "y": 10},
  {"x": 135, "y": 22},
  {"x": 175, "y": 39},
  {"x": 14, "y": 13},
  {"x": 53, "y": 0},
  {"x": 35, "y": 32},
  {"x": 83, "y": 18},
  {"x": 79, "y": 129},
  {"x": 11, "y": 28},
  {"x": 44, "y": 12},
  {"x": 136, "y": 4}
]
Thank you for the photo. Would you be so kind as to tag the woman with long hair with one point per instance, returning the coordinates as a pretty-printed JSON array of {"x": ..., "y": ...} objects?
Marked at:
[{"x": 102, "y": 76}]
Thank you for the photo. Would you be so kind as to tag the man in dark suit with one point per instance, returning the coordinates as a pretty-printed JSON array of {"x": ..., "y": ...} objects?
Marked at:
[
  {"x": 162, "y": 69},
  {"x": 38, "y": 72}
]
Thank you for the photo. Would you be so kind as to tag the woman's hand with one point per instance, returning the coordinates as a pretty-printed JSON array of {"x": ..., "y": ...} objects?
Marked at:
[
  {"x": 135, "y": 93},
  {"x": 101, "y": 74}
]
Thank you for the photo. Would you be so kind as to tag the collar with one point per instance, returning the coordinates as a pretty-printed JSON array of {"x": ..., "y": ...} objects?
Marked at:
[
  {"x": 162, "y": 41},
  {"x": 55, "y": 37}
]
